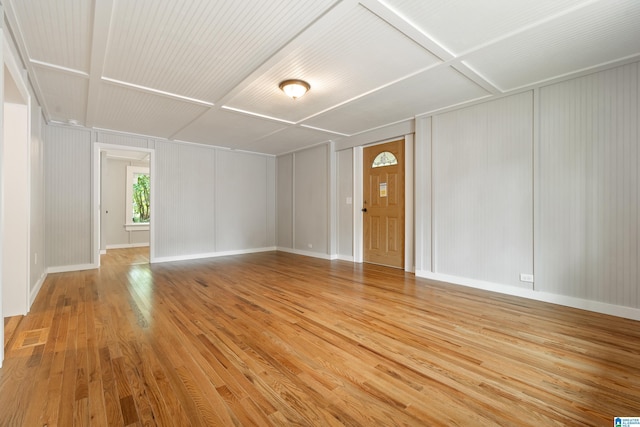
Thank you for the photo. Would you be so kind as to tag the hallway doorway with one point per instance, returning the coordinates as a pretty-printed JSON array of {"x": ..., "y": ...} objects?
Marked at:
[{"x": 124, "y": 205}]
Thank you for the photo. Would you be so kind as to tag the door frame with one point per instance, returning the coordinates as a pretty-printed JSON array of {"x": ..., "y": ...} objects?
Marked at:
[
  {"x": 358, "y": 222},
  {"x": 99, "y": 147},
  {"x": 11, "y": 70}
]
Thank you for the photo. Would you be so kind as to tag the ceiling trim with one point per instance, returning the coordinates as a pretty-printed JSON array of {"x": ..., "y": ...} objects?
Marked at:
[
  {"x": 54, "y": 67},
  {"x": 577, "y": 73},
  {"x": 466, "y": 70},
  {"x": 527, "y": 27},
  {"x": 325, "y": 21},
  {"x": 153, "y": 91},
  {"x": 374, "y": 90},
  {"x": 396, "y": 20},
  {"x": 324, "y": 130},
  {"x": 262, "y": 116},
  {"x": 101, "y": 24}
]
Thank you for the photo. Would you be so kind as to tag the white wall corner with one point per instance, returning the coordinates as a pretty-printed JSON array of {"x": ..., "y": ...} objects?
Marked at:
[{"x": 36, "y": 289}]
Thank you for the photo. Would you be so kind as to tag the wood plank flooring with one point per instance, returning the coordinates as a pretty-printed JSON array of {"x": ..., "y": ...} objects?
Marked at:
[{"x": 279, "y": 339}]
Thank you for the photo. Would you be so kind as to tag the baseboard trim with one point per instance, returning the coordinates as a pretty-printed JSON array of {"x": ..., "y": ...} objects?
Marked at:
[
  {"x": 128, "y": 245},
  {"x": 68, "y": 268},
  {"x": 210, "y": 255},
  {"x": 36, "y": 289},
  {"x": 307, "y": 253},
  {"x": 568, "y": 301}
]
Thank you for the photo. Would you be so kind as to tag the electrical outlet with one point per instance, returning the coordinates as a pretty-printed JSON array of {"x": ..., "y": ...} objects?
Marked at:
[
  {"x": 526, "y": 278},
  {"x": 35, "y": 258},
  {"x": 309, "y": 245}
]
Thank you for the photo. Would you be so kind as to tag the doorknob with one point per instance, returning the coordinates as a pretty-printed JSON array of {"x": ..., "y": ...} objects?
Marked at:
[{"x": 364, "y": 209}]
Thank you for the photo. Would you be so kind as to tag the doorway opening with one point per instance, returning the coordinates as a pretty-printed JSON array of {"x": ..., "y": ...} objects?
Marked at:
[{"x": 124, "y": 206}]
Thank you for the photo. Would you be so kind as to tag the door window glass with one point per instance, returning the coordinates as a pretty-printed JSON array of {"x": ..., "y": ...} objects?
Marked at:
[{"x": 385, "y": 158}]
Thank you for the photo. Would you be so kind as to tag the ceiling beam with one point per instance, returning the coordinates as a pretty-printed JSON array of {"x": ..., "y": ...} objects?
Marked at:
[
  {"x": 427, "y": 42},
  {"x": 101, "y": 23}
]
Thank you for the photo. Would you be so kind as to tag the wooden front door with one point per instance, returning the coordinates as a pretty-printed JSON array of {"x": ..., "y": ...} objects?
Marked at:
[{"x": 383, "y": 209}]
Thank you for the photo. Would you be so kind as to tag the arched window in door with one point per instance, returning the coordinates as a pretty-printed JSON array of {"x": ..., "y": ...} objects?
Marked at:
[{"x": 386, "y": 158}]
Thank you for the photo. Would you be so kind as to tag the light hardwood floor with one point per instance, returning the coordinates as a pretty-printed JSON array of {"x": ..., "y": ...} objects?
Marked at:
[{"x": 279, "y": 339}]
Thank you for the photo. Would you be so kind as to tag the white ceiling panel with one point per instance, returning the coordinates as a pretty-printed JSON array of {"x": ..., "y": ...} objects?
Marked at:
[
  {"x": 428, "y": 91},
  {"x": 225, "y": 129},
  {"x": 56, "y": 32},
  {"x": 64, "y": 95},
  {"x": 200, "y": 48},
  {"x": 461, "y": 25},
  {"x": 599, "y": 33},
  {"x": 128, "y": 110},
  {"x": 290, "y": 139},
  {"x": 144, "y": 66},
  {"x": 357, "y": 54}
]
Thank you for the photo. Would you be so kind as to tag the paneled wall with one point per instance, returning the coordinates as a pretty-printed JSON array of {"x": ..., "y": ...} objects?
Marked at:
[
  {"x": 245, "y": 201},
  {"x": 588, "y": 173},
  {"x": 184, "y": 217},
  {"x": 310, "y": 191},
  {"x": 544, "y": 182},
  {"x": 483, "y": 191},
  {"x": 37, "y": 211},
  {"x": 207, "y": 200},
  {"x": 284, "y": 202},
  {"x": 67, "y": 165},
  {"x": 305, "y": 175},
  {"x": 344, "y": 168}
]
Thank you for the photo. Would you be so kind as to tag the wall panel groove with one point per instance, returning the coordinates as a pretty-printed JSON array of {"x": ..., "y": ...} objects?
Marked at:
[
  {"x": 483, "y": 191},
  {"x": 67, "y": 166},
  {"x": 589, "y": 199}
]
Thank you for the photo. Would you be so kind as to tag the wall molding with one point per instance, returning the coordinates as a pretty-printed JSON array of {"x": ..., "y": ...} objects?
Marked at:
[
  {"x": 127, "y": 245},
  {"x": 36, "y": 289},
  {"x": 564, "y": 300},
  {"x": 308, "y": 253},
  {"x": 158, "y": 260},
  {"x": 69, "y": 268}
]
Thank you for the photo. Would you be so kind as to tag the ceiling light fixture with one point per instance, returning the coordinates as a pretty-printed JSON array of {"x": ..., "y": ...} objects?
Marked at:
[{"x": 294, "y": 88}]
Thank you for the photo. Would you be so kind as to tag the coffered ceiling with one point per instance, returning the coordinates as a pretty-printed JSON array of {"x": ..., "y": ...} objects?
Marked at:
[{"x": 208, "y": 71}]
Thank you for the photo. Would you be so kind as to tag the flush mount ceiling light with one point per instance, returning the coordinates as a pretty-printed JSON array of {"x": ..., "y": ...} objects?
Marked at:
[{"x": 294, "y": 88}]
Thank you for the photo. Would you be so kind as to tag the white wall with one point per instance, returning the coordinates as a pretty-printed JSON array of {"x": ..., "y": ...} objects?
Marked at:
[
  {"x": 245, "y": 201},
  {"x": 209, "y": 201},
  {"x": 15, "y": 272},
  {"x": 482, "y": 209},
  {"x": 284, "y": 203},
  {"x": 21, "y": 169},
  {"x": 37, "y": 226},
  {"x": 588, "y": 176},
  {"x": 345, "y": 204},
  {"x": 542, "y": 182},
  {"x": 304, "y": 208},
  {"x": 67, "y": 163},
  {"x": 185, "y": 200},
  {"x": 310, "y": 195}
]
